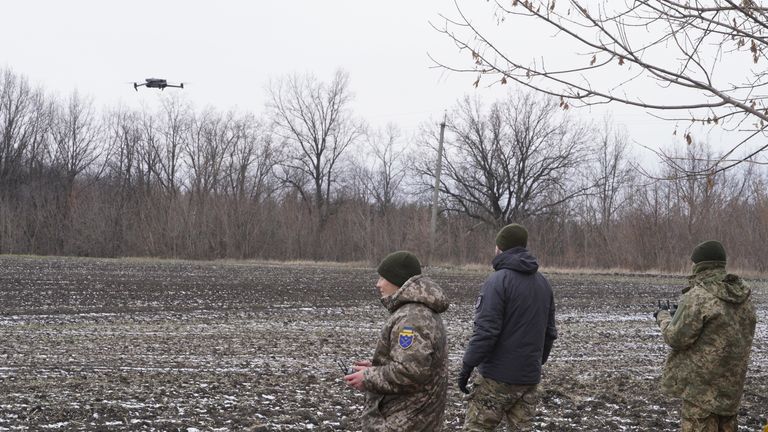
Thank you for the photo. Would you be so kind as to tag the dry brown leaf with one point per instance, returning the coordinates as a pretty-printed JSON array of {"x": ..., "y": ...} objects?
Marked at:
[{"x": 754, "y": 50}]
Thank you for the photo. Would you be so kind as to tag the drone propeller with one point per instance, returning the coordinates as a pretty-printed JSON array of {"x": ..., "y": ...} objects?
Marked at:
[{"x": 134, "y": 84}]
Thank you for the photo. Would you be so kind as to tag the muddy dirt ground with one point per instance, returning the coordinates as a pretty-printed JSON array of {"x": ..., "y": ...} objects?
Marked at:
[{"x": 112, "y": 345}]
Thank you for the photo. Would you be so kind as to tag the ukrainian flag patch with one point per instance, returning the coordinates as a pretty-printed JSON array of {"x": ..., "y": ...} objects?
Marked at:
[{"x": 406, "y": 337}]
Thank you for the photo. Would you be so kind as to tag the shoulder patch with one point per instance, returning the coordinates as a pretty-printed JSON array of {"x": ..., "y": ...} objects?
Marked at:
[
  {"x": 478, "y": 302},
  {"x": 406, "y": 337}
]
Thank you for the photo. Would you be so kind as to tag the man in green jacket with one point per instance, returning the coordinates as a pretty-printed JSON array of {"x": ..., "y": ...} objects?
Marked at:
[
  {"x": 711, "y": 337},
  {"x": 406, "y": 382}
]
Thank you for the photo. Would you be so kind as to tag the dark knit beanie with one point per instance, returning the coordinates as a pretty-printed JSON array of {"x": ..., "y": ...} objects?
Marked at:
[
  {"x": 512, "y": 235},
  {"x": 711, "y": 250},
  {"x": 398, "y": 267}
]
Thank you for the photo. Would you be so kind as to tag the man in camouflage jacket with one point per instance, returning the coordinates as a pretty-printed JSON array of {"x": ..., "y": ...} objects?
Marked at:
[
  {"x": 407, "y": 380},
  {"x": 711, "y": 336}
]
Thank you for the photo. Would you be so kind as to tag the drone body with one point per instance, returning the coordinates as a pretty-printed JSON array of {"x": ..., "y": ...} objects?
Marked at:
[{"x": 156, "y": 83}]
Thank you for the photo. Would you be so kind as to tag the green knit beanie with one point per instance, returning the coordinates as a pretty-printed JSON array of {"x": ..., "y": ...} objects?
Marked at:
[
  {"x": 512, "y": 235},
  {"x": 711, "y": 250},
  {"x": 398, "y": 267}
]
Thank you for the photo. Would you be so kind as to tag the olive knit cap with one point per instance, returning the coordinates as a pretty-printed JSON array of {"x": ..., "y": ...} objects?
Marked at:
[
  {"x": 711, "y": 250},
  {"x": 398, "y": 267},
  {"x": 512, "y": 235}
]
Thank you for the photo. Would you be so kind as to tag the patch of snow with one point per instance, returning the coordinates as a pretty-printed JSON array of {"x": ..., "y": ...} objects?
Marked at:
[{"x": 55, "y": 425}]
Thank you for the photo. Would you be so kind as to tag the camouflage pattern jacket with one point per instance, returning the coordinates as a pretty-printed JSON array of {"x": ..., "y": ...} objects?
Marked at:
[
  {"x": 711, "y": 337},
  {"x": 408, "y": 382}
]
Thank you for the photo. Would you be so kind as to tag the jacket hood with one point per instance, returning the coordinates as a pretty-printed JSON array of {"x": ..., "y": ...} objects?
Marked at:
[
  {"x": 418, "y": 289},
  {"x": 711, "y": 276},
  {"x": 517, "y": 259}
]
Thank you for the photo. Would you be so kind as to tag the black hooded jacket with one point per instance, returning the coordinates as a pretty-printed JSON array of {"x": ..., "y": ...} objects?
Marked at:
[{"x": 514, "y": 321}]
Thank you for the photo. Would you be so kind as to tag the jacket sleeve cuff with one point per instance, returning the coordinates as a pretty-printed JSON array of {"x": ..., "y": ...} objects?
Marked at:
[
  {"x": 368, "y": 381},
  {"x": 662, "y": 316}
]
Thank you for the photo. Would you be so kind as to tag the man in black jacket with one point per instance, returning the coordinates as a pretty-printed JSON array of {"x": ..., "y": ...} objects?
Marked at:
[{"x": 513, "y": 335}]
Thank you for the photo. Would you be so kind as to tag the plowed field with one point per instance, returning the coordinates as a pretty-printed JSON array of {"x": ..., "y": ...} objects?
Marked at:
[{"x": 113, "y": 345}]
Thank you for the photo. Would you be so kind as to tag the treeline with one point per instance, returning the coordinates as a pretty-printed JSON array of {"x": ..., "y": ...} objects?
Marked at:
[{"x": 308, "y": 180}]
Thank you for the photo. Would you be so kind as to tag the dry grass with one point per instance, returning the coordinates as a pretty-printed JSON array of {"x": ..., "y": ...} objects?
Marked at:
[
  {"x": 614, "y": 271},
  {"x": 471, "y": 268},
  {"x": 300, "y": 263}
]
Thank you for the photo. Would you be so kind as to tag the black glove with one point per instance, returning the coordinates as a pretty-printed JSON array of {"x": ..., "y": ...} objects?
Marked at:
[
  {"x": 665, "y": 307},
  {"x": 464, "y": 374},
  {"x": 673, "y": 309}
]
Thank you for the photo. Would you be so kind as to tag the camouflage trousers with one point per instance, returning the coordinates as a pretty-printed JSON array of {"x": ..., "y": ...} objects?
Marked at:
[
  {"x": 491, "y": 402},
  {"x": 697, "y": 419}
]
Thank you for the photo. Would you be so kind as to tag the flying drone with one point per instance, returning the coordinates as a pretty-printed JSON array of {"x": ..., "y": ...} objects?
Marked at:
[{"x": 156, "y": 83}]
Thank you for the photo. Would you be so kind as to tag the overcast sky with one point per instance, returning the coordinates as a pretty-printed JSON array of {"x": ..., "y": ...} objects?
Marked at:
[{"x": 228, "y": 50}]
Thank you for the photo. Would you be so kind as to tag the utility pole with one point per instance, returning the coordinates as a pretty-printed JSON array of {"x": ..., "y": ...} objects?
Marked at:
[{"x": 435, "y": 193}]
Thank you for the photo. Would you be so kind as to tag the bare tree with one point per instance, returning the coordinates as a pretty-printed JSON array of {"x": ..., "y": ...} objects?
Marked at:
[
  {"x": 315, "y": 121},
  {"x": 512, "y": 162},
  {"x": 248, "y": 184},
  {"x": 697, "y": 199},
  {"x": 212, "y": 137},
  {"x": 123, "y": 171},
  {"x": 251, "y": 160},
  {"x": 173, "y": 125},
  {"x": 382, "y": 167},
  {"x": 124, "y": 137},
  {"x": 599, "y": 212},
  {"x": 183, "y": 183},
  {"x": 148, "y": 168},
  {"x": 77, "y": 147},
  {"x": 76, "y": 137},
  {"x": 611, "y": 174},
  {"x": 25, "y": 116},
  {"x": 686, "y": 48},
  {"x": 24, "y": 121}
]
